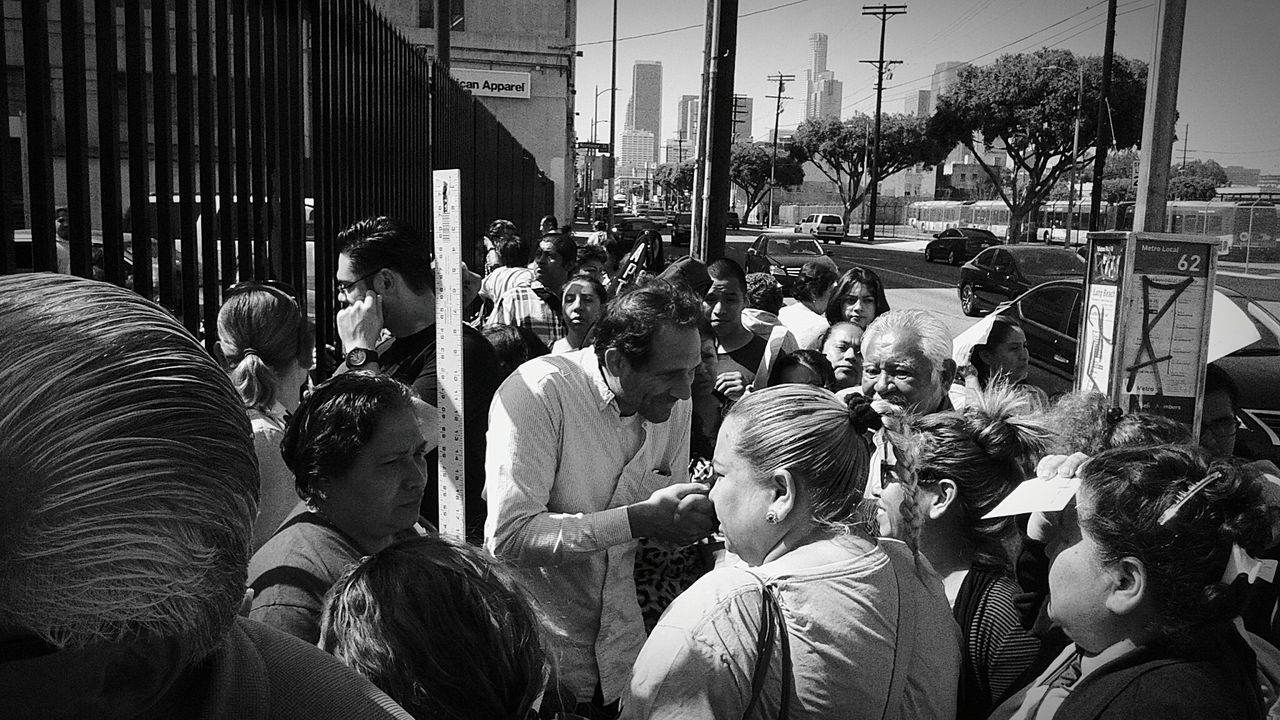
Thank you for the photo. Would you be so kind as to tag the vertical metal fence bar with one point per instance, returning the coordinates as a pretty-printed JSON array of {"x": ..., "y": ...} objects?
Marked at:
[
  {"x": 8, "y": 254},
  {"x": 322, "y": 168},
  {"x": 257, "y": 157},
  {"x": 187, "y": 190},
  {"x": 227, "y": 209},
  {"x": 295, "y": 139},
  {"x": 35, "y": 46},
  {"x": 163, "y": 143},
  {"x": 210, "y": 240},
  {"x": 139, "y": 180},
  {"x": 271, "y": 82},
  {"x": 76, "y": 109},
  {"x": 111, "y": 190},
  {"x": 244, "y": 194}
]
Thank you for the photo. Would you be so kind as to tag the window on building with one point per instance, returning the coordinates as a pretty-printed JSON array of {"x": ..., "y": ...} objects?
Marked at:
[{"x": 427, "y": 15}]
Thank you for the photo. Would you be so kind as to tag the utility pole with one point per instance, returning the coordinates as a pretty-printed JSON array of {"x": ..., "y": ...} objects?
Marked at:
[
  {"x": 1104, "y": 118},
  {"x": 1075, "y": 160},
  {"x": 613, "y": 117},
  {"x": 1160, "y": 117},
  {"x": 708, "y": 238},
  {"x": 781, "y": 79},
  {"x": 883, "y": 12}
]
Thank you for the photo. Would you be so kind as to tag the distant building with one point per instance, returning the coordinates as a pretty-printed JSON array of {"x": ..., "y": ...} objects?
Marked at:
[
  {"x": 644, "y": 109},
  {"x": 635, "y": 150},
  {"x": 914, "y": 182},
  {"x": 824, "y": 94},
  {"x": 676, "y": 151},
  {"x": 945, "y": 75},
  {"x": 742, "y": 106},
  {"x": 1242, "y": 175},
  {"x": 686, "y": 128},
  {"x": 917, "y": 103},
  {"x": 1269, "y": 182}
]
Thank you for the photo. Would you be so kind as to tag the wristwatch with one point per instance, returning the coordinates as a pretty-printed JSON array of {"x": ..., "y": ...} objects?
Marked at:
[{"x": 358, "y": 358}]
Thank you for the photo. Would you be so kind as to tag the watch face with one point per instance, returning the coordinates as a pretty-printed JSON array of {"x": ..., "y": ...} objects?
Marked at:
[{"x": 357, "y": 357}]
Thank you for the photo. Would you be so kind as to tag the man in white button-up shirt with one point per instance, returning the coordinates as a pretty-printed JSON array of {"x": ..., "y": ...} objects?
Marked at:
[{"x": 587, "y": 452}]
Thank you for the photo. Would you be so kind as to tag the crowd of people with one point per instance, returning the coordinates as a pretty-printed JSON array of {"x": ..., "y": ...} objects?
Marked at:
[{"x": 685, "y": 498}]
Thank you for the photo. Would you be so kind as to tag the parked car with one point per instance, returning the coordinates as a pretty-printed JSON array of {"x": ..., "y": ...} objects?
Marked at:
[
  {"x": 999, "y": 274},
  {"x": 629, "y": 229},
  {"x": 732, "y": 221},
  {"x": 956, "y": 245},
  {"x": 823, "y": 227},
  {"x": 783, "y": 254},
  {"x": 681, "y": 228},
  {"x": 1050, "y": 317}
]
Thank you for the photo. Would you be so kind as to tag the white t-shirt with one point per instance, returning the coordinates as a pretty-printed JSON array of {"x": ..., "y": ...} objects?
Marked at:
[{"x": 804, "y": 323}]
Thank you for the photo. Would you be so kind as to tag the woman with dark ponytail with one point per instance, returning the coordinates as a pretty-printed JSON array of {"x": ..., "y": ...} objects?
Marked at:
[
  {"x": 952, "y": 469},
  {"x": 268, "y": 345},
  {"x": 1149, "y": 570}
]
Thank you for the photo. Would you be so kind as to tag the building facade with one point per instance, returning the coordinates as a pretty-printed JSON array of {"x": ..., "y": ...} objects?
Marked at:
[
  {"x": 531, "y": 39},
  {"x": 945, "y": 75},
  {"x": 742, "y": 112},
  {"x": 644, "y": 109},
  {"x": 917, "y": 103},
  {"x": 824, "y": 93},
  {"x": 635, "y": 150}
]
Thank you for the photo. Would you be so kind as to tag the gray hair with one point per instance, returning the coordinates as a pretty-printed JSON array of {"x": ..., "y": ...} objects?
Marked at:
[
  {"x": 932, "y": 337},
  {"x": 129, "y": 480}
]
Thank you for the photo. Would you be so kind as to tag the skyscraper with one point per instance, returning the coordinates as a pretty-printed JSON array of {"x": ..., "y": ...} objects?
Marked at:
[
  {"x": 685, "y": 128},
  {"x": 945, "y": 74},
  {"x": 824, "y": 92},
  {"x": 742, "y": 110},
  {"x": 644, "y": 109},
  {"x": 917, "y": 103}
]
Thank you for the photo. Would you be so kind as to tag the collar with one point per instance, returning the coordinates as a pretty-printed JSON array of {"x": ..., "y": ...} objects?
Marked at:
[
  {"x": 1089, "y": 663},
  {"x": 591, "y": 365}
]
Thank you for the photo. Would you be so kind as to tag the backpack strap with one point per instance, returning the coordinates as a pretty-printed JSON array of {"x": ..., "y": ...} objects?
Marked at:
[
  {"x": 772, "y": 626},
  {"x": 295, "y": 576}
]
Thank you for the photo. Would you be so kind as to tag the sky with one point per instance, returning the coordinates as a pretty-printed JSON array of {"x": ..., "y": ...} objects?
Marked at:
[{"x": 1229, "y": 87}]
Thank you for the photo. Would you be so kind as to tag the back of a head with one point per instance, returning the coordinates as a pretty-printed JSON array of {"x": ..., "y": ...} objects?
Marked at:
[
  {"x": 631, "y": 320},
  {"x": 513, "y": 252},
  {"x": 1001, "y": 328},
  {"x": 815, "y": 435},
  {"x": 815, "y": 280},
  {"x": 439, "y": 627},
  {"x": 1087, "y": 422},
  {"x": 508, "y": 345},
  {"x": 262, "y": 332},
  {"x": 764, "y": 293},
  {"x": 129, "y": 479},
  {"x": 921, "y": 327},
  {"x": 986, "y": 449},
  {"x": 500, "y": 226},
  {"x": 382, "y": 242},
  {"x": 1131, "y": 494}
]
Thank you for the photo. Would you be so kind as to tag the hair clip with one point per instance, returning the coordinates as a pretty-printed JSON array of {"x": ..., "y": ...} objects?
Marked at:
[
  {"x": 1186, "y": 495},
  {"x": 1113, "y": 415}
]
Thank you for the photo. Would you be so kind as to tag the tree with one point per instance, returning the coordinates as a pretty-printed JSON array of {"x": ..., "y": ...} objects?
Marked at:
[
  {"x": 749, "y": 167},
  {"x": 841, "y": 150},
  {"x": 1209, "y": 170},
  {"x": 1191, "y": 187},
  {"x": 676, "y": 181},
  {"x": 1025, "y": 105}
]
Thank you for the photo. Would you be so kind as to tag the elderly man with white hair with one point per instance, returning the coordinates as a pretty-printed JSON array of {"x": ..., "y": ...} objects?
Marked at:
[
  {"x": 907, "y": 369},
  {"x": 128, "y": 487}
]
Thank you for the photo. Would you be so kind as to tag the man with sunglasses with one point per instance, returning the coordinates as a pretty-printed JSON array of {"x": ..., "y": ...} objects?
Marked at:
[{"x": 388, "y": 326}]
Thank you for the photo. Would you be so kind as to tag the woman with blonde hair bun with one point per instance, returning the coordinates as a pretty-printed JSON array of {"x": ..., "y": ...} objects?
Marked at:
[
  {"x": 819, "y": 619},
  {"x": 267, "y": 345}
]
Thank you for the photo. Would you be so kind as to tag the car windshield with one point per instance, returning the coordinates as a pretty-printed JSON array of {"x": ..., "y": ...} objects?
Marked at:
[
  {"x": 1050, "y": 263},
  {"x": 793, "y": 246}
]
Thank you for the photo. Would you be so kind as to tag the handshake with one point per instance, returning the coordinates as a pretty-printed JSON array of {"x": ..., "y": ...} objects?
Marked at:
[{"x": 679, "y": 514}]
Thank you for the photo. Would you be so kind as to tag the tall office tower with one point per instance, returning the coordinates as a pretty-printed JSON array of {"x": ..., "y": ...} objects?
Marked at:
[
  {"x": 823, "y": 92},
  {"x": 635, "y": 150},
  {"x": 644, "y": 110},
  {"x": 945, "y": 74},
  {"x": 682, "y": 115},
  {"x": 742, "y": 108},
  {"x": 917, "y": 103},
  {"x": 689, "y": 120}
]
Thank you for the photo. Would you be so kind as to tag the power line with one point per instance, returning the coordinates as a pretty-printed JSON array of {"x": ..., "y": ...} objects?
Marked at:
[{"x": 668, "y": 31}]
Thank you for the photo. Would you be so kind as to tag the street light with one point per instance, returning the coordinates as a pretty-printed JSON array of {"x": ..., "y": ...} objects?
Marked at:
[
  {"x": 1075, "y": 148},
  {"x": 595, "y": 112}
]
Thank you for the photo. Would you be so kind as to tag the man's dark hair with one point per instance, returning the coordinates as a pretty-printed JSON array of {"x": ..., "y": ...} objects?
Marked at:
[
  {"x": 549, "y": 220},
  {"x": 334, "y": 422},
  {"x": 497, "y": 227},
  {"x": 764, "y": 293},
  {"x": 1217, "y": 380},
  {"x": 513, "y": 252},
  {"x": 565, "y": 247},
  {"x": 587, "y": 253},
  {"x": 726, "y": 269},
  {"x": 814, "y": 280},
  {"x": 381, "y": 242},
  {"x": 631, "y": 320}
]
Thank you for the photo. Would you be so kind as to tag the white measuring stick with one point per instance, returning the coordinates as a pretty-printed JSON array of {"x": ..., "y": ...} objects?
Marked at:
[{"x": 447, "y": 202}]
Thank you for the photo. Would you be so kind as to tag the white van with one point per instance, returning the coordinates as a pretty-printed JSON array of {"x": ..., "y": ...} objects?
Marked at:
[{"x": 823, "y": 227}]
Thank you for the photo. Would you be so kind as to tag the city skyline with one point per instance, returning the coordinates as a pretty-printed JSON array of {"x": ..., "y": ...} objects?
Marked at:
[{"x": 1228, "y": 93}]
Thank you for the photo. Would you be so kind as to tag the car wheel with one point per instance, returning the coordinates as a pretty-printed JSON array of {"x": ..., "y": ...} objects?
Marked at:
[
  {"x": 927, "y": 257},
  {"x": 952, "y": 258},
  {"x": 968, "y": 300}
]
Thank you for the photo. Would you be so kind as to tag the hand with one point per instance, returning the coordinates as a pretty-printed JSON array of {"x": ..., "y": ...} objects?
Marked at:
[
  {"x": 680, "y": 513},
  {"x": 731, "y": 385},
  {"x": 1063, "y": 466},
  {"x": 360, "y": 322}
]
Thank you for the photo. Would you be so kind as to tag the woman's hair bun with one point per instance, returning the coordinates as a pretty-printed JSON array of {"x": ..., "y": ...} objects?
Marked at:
[{"x": 861, "y": 414}]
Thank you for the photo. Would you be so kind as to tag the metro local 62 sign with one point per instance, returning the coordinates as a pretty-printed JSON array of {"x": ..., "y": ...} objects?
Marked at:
[{"x": 493, "y": 83}]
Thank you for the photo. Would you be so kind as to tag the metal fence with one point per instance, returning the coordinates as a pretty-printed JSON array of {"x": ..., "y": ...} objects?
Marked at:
[{"x": 197, "y": 143}]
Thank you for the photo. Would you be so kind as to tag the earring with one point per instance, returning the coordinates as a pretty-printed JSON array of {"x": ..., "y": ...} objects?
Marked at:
[{"x": 771, "y": 518}]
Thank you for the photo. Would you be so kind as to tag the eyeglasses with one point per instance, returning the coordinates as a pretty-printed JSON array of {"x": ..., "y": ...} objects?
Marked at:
[{"x": 345, "y": 287}]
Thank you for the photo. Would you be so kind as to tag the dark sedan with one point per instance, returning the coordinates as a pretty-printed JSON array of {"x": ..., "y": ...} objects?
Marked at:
[
  {"x": 630, "y": 229},
  {"x": 957, "y": 245},
  {"x": 783, "y": 254},
  {"x": 1050, "y": 317},
  {"x": 999, "y": 274}
]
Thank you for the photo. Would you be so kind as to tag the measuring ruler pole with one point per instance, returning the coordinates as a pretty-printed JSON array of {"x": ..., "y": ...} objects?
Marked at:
[{"x": 447, "y": 203}]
